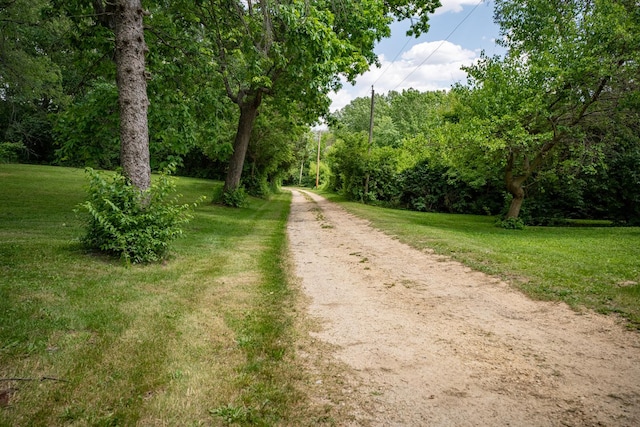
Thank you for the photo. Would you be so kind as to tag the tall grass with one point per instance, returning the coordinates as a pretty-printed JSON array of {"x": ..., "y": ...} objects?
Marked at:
[
  {"x": 593, "y": 267},
  {"x": 86, "y": 340}
]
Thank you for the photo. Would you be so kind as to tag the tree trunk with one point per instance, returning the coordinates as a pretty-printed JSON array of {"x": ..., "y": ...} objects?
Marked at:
[
  {"x": 514, "y": 184},
  {"x": 132, "y": 92},
  {"x": 248, "y": 114},
  {"x": 516, "y": 190}
]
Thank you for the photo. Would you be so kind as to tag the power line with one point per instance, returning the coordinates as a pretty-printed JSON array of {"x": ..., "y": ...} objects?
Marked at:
[
  {"x": 393, "y": 60},
  {"x": 439, "y": 46}
]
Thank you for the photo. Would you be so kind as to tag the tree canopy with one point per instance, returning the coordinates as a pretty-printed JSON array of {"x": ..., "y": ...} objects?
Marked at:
[
  {"x": 293, "y": 52},
  {"x": 563, "y": 85},
  {"x": 552, "y": 121}
]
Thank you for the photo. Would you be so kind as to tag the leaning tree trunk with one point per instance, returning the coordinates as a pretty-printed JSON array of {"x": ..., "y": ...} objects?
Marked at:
[
  {"x": 248, "y": 114},
  {"x": 132, "y": 92},
  {"x": 517, "y": 192},
  {"x": 515, "y": 184}
]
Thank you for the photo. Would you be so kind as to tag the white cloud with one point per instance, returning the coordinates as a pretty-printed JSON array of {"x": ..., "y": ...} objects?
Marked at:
[
  {"x": 438, "y": 52},
  {"x": 342, "y": 98},
  {"x": 454, "y": 6},
  {"x": 426, "y": 66}
]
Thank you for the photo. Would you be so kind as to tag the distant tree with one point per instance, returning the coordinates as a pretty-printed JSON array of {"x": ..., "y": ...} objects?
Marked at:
[
  {"x": 271, "y": 154},
  {"x": 30, "y": 82},
  {"x": 403, "y": 124}
]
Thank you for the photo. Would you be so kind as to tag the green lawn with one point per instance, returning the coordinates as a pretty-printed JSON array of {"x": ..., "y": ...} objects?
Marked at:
[
  {"x": 199, "y": 340},
  {"x": 206, "y": 338},
  {"x": 594, "y": 267}
]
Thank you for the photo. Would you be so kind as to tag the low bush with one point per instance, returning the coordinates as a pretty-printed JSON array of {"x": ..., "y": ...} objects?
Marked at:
[
  {"x": 11, "y": 152},
  {"x": 237, "y": 198},
  {"x": 137, "y": 226},
  {"x": 511, "y": 224}
]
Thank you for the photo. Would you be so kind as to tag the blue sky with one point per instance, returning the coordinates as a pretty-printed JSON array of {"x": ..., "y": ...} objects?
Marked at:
[{"x": 431, "y": 61}]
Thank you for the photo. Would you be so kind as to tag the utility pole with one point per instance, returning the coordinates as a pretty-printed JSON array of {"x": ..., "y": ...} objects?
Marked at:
[
  {"x": 371, "y": 119},
  {"x": 301, "y": 169},
  {"x": 366, "y": 181},
  {"x": 318, "y": 163}
]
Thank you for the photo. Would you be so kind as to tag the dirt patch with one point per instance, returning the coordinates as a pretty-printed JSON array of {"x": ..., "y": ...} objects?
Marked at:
[{"x": 414, "y": 339}]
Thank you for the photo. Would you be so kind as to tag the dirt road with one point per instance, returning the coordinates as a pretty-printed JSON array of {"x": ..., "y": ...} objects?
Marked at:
[{"x": 424, "y": 341}]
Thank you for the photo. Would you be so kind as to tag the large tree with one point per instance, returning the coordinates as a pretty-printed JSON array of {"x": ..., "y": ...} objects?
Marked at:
[
  {"x": 563, "y": 85},
  {"x": 125, "y": 18}
]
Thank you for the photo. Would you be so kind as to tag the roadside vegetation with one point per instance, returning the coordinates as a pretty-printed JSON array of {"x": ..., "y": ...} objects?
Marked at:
[
  {"x": 203, "y": 338},
  {"x": 585, "y": 266}
]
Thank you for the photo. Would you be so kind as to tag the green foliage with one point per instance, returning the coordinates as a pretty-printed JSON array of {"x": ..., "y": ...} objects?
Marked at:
[
  {"x": 236, "y": 198},
  {"x": 511, "y": 223},
  {"x": 430, "y": 187},
  {"x": 292, "y": 53},
  {"x": 353, "y": 168},
  {"x": 30, "y": 79},
  {"x": 11, "y": 152},
  {"x": 417, "y": 11},
  {"x": 270, "y": 155},
  {"x": 309, "y": 179},
  {"x": 136, "y": 226},
  {"x": 256, "y": 186},
  {"x": 407, "y": 164},
  {"x": 27, "y": 73},
  {"x": 558, "y": 97},
  {"x": 451, "y": 152},
  {"x": 87, "y": 132},
  {"x": 346, "y": 158},
  {"x": 613, "y": 192},
  {"x": 381, "y": 167}
]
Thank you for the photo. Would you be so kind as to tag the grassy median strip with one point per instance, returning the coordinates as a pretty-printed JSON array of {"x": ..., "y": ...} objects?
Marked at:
[
  {"x": 594, "y": 267},
  {"x": 202, "y": 339}
]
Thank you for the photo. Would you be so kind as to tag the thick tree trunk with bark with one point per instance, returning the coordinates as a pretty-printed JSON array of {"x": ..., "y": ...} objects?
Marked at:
[
  {"x": 132, "y": 92},
  {"x": 248, "y": 114}
]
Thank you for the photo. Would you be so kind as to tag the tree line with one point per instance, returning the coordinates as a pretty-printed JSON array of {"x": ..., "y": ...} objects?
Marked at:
[
  {"x": 227, "y": 89},
  {"x": 555, "y": 122},
  {"x": 205, "y": 84}
]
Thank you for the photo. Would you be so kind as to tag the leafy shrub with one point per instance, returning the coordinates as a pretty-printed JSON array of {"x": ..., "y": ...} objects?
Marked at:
[
  {"x": 235, "y": 198},
  {"x": 424, "y": 188},
  {"x": 511, "y": 224},
  {"x": 11, "y": 152},
  {"x": 135, "y": 225},
  {"x": 434, "y": 188},
  {"x": 346, "y": 158},
  {"x": 381, "y": 166},
  {"x": 256, "y": 186}
]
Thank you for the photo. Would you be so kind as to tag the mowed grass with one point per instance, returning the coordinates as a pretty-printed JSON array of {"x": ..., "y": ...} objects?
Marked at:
[
  {"x": 202, "y": 339},
  {"x": 593, "y": 267}
]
